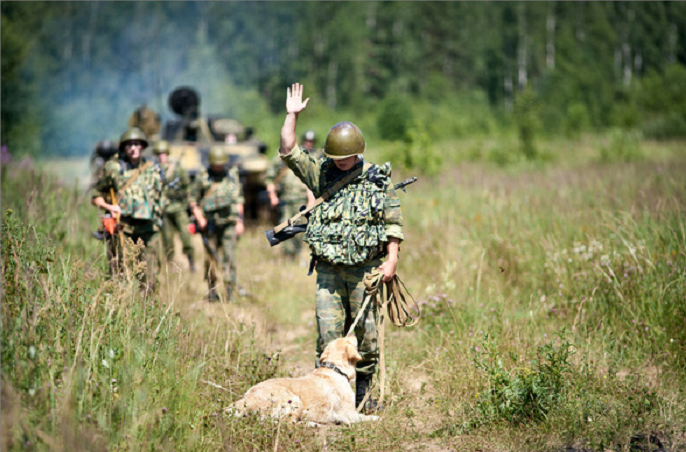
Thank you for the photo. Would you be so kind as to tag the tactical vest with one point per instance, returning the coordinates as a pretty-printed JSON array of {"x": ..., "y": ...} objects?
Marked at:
[
  {"x": 140, "y": 200},
  {"x": 220, "y": 194},
  {"x": 349, "y": 228}
]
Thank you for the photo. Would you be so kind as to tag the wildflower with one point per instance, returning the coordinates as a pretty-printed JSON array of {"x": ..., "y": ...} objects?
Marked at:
[
  {"x": 164, "y": 410},
  {"x": 646, "y": 328}
]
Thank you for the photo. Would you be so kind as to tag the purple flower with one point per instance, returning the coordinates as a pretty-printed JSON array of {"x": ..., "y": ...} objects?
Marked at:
[{"x": 164, "y": 410}]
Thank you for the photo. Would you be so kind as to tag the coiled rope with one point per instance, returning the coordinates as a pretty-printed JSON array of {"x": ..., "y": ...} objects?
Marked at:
[{"x": 389, "y": 297}]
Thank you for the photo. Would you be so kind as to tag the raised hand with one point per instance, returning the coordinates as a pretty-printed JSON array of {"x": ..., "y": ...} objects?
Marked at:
[{"x": 294, "y": 96}]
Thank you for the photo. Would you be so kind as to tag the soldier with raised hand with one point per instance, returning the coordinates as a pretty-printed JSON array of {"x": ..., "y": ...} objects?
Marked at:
[
  {"x": 177, "y": 192},
  {"x": 217, "y": 203},
  {"x": 349, "y": 233},
  {"x": 137, "y": 203}
]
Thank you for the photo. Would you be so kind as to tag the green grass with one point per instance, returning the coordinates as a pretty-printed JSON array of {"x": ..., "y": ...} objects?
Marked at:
[{"x": 508, "y": 262}]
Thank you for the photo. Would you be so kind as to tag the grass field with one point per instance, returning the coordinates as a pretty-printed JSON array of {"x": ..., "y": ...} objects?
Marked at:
[{"x": 554, "y": 314}]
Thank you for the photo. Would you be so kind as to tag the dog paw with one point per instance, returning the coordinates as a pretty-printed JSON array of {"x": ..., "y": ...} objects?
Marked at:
[{"x": 313, "y": 424}]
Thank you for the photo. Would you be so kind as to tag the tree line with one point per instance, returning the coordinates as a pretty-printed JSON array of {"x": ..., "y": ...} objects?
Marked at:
[{"x": 72, "y": 69}]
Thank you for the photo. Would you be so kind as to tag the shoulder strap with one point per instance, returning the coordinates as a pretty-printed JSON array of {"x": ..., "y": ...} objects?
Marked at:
[
  {"x": 134, "y": 176},
  {"x": 213, "y": 187},
  {"x": 328, "y": 193}
]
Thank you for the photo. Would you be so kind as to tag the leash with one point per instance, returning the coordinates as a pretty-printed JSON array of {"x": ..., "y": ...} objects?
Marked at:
[{"x": 389, "y": 297}]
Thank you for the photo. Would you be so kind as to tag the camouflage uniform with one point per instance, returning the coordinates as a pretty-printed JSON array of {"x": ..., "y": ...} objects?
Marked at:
[
  {"x": 175, "y": 216},
  {"x": 348, "y": 235},
  {"x": 141, "y": 206},
  {"x": 292, "y": 195},
  {"x": 217, "y": 194}
]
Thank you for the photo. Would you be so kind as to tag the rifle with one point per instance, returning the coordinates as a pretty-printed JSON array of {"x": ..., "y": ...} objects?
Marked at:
[
  {"x": 288, "y": 230},
  {"x": 194, "y": 229}
]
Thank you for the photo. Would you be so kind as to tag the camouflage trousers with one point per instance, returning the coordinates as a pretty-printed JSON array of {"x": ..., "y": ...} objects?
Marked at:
[
  {"x": 339, "y": 297},
  {"x": 119, "y": 246},
  {"x": 223, "y": 240},
  {"x": 176, "y": 221},
  {"x": 292, "y": 247}
]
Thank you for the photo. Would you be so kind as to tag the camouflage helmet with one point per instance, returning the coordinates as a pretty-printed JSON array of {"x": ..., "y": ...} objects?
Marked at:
[
  {"x": 161, "y": 147},
  {"x": 218, "y": 156},
  {"x": 344, "y": 140},
  {"x": 309, "y": 136},
  {"x": 133, "y": 134}
]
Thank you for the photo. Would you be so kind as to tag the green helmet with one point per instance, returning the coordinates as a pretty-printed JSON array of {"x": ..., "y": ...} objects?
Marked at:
[
  {"x": 218, "y": 156},
  {"x": 344, "y": 140},
  {"x": 161, "y": 147},
  {"x": 133, "y": 134}
]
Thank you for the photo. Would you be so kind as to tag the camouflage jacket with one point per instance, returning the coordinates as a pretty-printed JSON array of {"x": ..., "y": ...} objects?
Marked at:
[
  {"x": 218, "y": 194},
  {"x": 177, "y": 187},
  {"x": 353, "y": 226},
  {"x": 288, "y": 187},
  {"x": 143, "y": 203}
]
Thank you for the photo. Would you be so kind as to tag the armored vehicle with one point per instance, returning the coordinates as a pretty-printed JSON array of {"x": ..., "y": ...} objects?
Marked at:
[{"x": 191, "y": 135}]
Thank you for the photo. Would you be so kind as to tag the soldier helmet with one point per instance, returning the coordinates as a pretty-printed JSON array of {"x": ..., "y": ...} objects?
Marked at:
[
  {"x": 161, "y": 147},
  {"x": 218, "y": 156},
  {"x": 309, "y": 136},
  {"x": 344, "y": 140},
  {"x": 133, "y": 134}
]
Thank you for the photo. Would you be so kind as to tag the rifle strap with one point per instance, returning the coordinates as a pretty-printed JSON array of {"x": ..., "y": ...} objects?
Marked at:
[
  {"x": 134, "y": 176},
  {"x": 328, "y": 193}
]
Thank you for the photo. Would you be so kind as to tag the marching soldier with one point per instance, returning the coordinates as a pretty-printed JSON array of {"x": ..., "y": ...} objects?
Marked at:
[
  {"x": 217, "y": 203},
  {"x": 130, "y": 189},
  {"x": 177, "y": 184},
  {"x": 349, "y": 233}
]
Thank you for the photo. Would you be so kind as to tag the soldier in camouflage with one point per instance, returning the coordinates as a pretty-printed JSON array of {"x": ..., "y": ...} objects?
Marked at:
[
  {"x": 177, "y": 193},
  {"x": 137, "y": 186},
  {"x": 287, "y": 194},
  {"x": 217, "y": 203},
  {"x": 348, "y": 234}
]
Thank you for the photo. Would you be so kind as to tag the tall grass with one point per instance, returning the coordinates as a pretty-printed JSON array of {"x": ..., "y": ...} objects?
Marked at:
[{"x": 553, "y": 316}]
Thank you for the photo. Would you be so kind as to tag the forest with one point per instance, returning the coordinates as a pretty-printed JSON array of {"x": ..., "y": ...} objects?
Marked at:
[{"x": 70, "y": 70}]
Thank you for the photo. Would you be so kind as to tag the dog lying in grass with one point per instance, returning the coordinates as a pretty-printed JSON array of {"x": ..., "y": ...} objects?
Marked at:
[{"x": 320, "y": 397}]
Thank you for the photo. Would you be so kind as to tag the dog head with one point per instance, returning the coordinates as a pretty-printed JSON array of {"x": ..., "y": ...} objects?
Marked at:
[{"x": 343, "y": 354}]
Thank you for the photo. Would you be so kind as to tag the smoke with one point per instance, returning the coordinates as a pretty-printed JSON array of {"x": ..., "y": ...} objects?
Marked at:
[{"x": 118, "y": 56}]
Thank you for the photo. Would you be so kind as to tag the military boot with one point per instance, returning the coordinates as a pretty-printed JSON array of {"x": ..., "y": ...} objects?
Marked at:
[
  {"x": 212, "y": 296},
  {"x": 362, "y": 384},
  {"x": 191, "y": 263}
]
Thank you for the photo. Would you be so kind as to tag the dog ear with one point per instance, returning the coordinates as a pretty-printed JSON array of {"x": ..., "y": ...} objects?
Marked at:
[
  {"x": 325, "y": 355},
  {"x": 352, "y": 353}
]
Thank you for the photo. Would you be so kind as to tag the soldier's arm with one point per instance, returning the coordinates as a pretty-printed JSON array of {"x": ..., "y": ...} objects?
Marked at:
[
  {"x": 294, "y": 106},
  {"x": 393, "y": 224},
  {"x": 272, "y": 172},
  {"x": 240, "y": 201},
  {"x": 196, "y": 192},
  {"x": 102, "y": 188}
]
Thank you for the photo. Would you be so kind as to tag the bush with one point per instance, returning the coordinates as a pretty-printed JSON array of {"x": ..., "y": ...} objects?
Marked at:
[
  {"x": 527, "y": 393},
  {"x": 418, "y": 152},
  {"x": 394, "y": 119},
  {"x": 528, "y": 125},
  {"x": 623, "y": 146}
]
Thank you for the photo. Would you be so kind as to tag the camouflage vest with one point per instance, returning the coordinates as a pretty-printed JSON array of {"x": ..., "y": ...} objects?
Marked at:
[
  {"x": 141, "y": 198},
  {"x": 220, "y": 190},
  {"x": 349, "y": 228},
  {"x": 176, "y": 185}
]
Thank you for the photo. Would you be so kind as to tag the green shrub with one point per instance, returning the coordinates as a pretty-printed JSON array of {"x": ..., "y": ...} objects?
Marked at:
[
  {"x": 577, "y": 119},
  {"x": 419, "y": 153},
  {"x": 623, "y": 146},
  {"x": 528, "y": 124},
  {"x": 522, "y": 393},
  {"x": 394, "y": 118}
]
